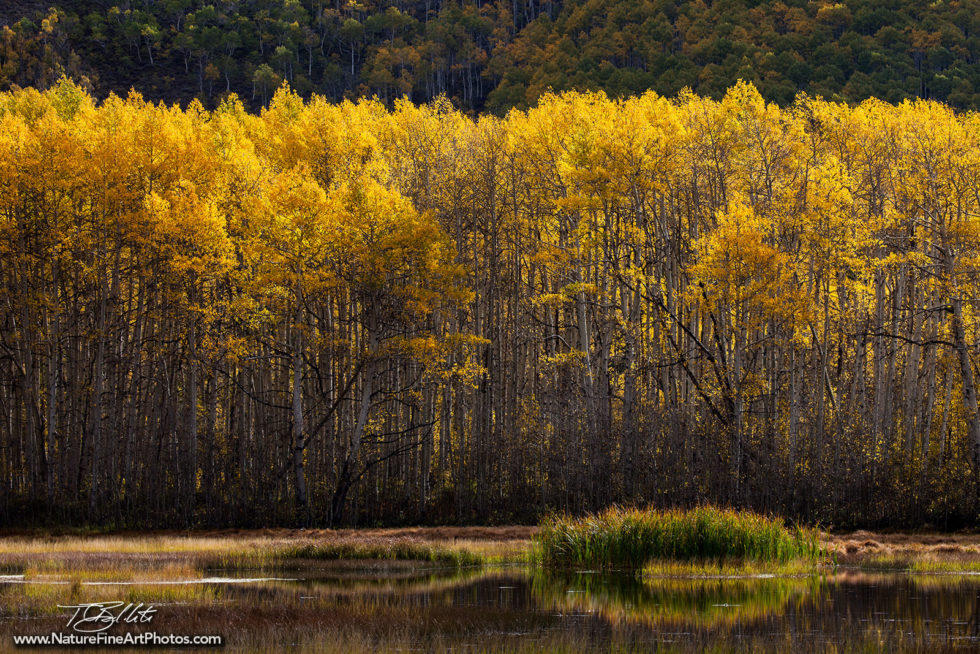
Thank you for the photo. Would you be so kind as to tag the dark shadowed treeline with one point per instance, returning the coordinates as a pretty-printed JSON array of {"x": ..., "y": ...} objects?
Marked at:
[
  {"x": 340, "y": 313},
  {"x": 495, "y": 54}
]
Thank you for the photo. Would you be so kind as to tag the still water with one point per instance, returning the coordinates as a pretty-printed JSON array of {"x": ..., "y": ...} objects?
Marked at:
[{"x": 370, "y": 608}]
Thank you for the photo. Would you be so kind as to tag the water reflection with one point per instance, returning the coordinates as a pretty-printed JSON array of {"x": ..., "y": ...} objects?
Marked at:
[
  {"x": 673, "y": 602},
  {"x": 372, "y": 608}
]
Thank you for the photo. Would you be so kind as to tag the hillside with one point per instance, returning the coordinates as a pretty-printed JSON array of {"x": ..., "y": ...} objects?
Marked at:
[{"x": 495, "y": 55}]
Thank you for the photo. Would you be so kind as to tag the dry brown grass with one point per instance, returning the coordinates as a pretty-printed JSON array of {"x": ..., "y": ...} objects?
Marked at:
[
  {"x": 259, "y": 548},
  {"x": 917, "y": 552}
]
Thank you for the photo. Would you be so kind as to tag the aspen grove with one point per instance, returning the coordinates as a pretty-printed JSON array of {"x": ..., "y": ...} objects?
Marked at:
[{"x": 362, "y": 313}]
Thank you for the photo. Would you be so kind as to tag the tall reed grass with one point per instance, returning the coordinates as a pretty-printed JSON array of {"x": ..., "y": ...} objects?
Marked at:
[{"x": 630, "y": 538}]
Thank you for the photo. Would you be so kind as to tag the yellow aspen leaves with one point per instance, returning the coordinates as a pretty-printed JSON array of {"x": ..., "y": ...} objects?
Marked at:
[{"x": 655, "y": 283}]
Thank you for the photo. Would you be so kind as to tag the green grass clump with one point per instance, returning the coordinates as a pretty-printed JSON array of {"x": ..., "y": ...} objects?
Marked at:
[{"x": 630, "y": 538}]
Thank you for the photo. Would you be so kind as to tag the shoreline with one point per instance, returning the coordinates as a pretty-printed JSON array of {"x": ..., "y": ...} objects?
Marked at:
[{"x": 930, "y": 552}]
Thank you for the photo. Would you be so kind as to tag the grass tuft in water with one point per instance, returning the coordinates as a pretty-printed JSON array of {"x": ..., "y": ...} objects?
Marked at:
[{"x": 631, "y": 538}]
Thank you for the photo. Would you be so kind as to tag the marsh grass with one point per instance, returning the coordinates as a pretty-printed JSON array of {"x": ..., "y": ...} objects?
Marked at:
[
  {"x": 54, "y": 569},
  {"x": 631, "y": 538},
  {"x": 116, "y": 557},
  {"x": 910, "y": 553},
  {"x": 284, "y": 554},
  {"x": 924, "y": 563}
]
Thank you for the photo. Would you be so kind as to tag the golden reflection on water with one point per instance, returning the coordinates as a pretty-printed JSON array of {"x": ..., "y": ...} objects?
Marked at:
[
  {"x": 343, "y": 607},
  {"x": 674, "y": 602}
]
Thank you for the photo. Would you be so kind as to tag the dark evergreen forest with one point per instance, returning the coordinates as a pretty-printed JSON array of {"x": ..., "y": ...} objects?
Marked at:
[{"x": 490, "y": 56}]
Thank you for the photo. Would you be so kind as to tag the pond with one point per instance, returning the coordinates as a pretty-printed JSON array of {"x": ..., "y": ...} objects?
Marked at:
[{"x": 371, "y": 607}]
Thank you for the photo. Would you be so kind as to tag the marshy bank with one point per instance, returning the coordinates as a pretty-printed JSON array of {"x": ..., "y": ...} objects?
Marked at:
[
  {"x": 482, "y": 589},
  {"x": 257, "y": 549},
  {"x": 388, "y": 606},
  {"x": 265, "y": 548}
]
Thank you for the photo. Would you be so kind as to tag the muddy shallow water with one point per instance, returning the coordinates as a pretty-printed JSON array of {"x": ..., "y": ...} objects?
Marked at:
[{"x": 351, "y": 607}]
